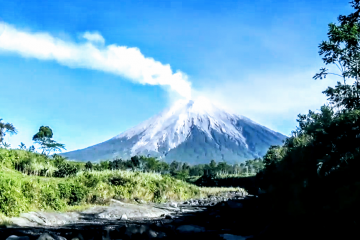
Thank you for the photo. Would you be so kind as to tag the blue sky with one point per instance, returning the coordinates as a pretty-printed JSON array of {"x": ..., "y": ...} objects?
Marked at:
[{"x": 256, "y": 57}]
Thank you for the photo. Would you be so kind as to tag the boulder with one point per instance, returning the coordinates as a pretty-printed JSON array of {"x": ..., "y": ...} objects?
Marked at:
[
  {"x": 173, "y": 204},
  {"x": 151, "y": 234}
]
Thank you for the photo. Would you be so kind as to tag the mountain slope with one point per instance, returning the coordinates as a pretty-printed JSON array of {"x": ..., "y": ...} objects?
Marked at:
[{"x": 191, "y": 131}]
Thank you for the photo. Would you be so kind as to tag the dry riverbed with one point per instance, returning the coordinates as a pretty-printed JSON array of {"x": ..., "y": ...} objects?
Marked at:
[{"x": 214, "y": 217}]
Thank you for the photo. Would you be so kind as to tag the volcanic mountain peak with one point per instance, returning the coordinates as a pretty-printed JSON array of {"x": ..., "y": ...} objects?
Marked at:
[
  {"x": 172, "y": 126},
  {"x": 192, "y": 131}
]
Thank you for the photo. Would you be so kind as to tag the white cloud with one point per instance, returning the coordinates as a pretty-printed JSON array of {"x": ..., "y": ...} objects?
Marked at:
[
  {"x": 120, "y": 60},
  {"x": 273, "y": 100},
  {"x": 93, "y": 37}
]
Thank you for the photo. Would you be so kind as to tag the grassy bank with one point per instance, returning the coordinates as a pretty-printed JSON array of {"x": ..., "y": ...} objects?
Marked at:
[{"x": 26, "y": 184}]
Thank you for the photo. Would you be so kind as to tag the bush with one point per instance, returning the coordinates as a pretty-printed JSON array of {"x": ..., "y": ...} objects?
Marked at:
[
  {"x": 90, "y": 180},
  {"x": 73, "y": 193},
  {"x": 117, "y": 181},
  {"x": 66, "y": 170}
]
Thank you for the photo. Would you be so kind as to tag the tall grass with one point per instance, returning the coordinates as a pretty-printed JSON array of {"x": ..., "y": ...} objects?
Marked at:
[{"x": 26, "y": 184}]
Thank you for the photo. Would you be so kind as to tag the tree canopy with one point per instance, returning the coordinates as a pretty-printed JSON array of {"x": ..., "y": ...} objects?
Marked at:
[
  {"x": 44, "y": 138},
  {"x": 6, "y": 128}
]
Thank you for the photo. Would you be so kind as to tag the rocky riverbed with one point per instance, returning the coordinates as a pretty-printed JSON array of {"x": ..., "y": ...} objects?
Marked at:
[{"x": 229, "y": 216}]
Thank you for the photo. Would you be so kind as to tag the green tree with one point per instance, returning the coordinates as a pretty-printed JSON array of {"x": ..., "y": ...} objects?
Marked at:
[
  {"x": 104, "y": 165},
  {"x": 31, "y": 148},
  {"x": 222, "y": 167},
  {"x": 22, "y": 146},
  {"x": 343, "y": 50},
  {"x": 6, "y": 128},
  {"x": 88, "y": 166},
  {"x": 135, "y": 160},
  {"x": 44, "y": 138},
  {"x": 185, "y": 167},
  {"x": 175, "y": 166},
  {"x": 213, "y": 164},
  {"x": 6, "y": 145}
]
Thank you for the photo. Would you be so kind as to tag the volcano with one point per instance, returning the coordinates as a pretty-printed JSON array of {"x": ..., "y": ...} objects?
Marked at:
[{"x": 189, "y": 131}]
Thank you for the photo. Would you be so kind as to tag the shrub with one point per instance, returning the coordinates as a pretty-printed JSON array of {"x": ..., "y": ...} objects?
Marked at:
[
  {"x": 90, "y": 180},
  {"x": 117, "y": 181},
  {"x": 74, "y": 193},
  {"x": 66, "y": 170}
]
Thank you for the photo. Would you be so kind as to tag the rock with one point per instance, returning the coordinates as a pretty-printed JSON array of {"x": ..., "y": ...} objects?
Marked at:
[
  {"x": 190, "y": 229},
  {"x": 152, "y": 234},
  {"x": 173, "y": 204},
  {"x": 161, "y": 235},
  {"x": 124, "y": 217},
  {"x": 46, "y": 236},
  {"x": 14, "y": 237},
  {"x": 143, "y": 229}
]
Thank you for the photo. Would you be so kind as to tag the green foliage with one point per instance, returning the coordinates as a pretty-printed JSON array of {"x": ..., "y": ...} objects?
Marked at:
[
  {"x": 6, "y": 128},
  {"x": 12, "y": 201},
  {"x": 118, "y": 181},
  {"x": 31, "y": 148},
  {"x": 44, "y": 139},
  {"x": 90, "y": 180},
  {"x": 44, "y": 132},
  {"x": 66, "y": 169},
  {"x": 313, "y": 172},
  {"x": 213, "y": 164},
  {"x": 22, "y": 146},
  {"x": 74, "y": 193},
  {"x": 28, "y": 183},
  {"x": 49, "y": 198},
  {"x": 89, "y": 166},
  {"x": 135, "y": 162}
]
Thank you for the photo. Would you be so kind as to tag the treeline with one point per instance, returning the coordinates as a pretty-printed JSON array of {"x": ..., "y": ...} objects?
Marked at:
[
  {"x": 178, "y": 169},
  {"x": 315, "y": 174}
]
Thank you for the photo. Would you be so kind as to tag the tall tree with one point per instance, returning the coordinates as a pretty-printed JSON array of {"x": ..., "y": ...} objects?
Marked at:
[
  {"x": 135, "y": 160},
  {"x": 213, "y": 164},
  {"x": 44, "y": 139},
  {"x": 343, "y": 50},
  {"x": 6, "y": 128}
]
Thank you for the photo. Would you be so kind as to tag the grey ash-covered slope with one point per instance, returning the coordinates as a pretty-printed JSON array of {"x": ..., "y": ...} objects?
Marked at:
[{"x": 189, "y": 131}]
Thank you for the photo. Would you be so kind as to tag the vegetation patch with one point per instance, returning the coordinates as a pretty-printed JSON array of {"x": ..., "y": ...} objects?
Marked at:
[{"x": 31, "y": 181}]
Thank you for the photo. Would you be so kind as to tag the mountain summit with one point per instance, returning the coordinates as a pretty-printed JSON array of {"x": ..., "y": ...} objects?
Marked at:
[{"x": 189, "y": 131}]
